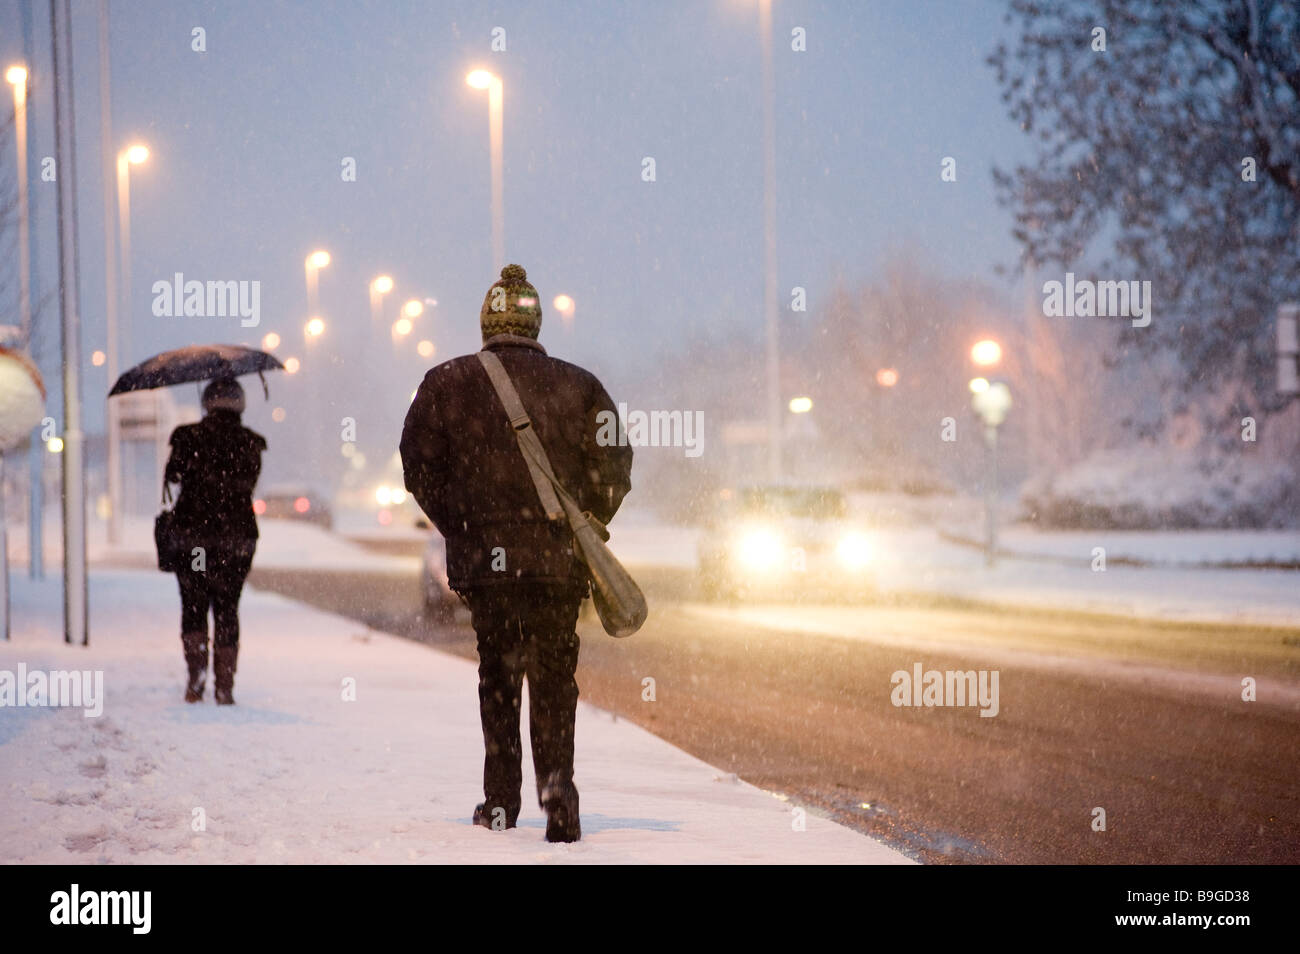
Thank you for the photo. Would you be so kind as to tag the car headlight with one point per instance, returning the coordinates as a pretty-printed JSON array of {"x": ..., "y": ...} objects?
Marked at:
[
  {"x": 853, "y": 551},
  {"x": 759, "y": 548}
]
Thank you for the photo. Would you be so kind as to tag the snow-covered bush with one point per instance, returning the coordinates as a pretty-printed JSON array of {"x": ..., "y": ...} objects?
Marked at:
[{"x": 1148, "y": 487}]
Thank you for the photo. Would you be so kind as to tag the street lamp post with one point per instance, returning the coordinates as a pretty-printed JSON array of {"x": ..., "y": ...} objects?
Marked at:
[
  {"x": 482, "y": 79},
  {"x": 17, "y": 77},
  {"x": 991, "y": 402},
  {"x": 117, "y": 286},
  {"x": 769, "y": 246},
  {"x": 379, "y": 287}
]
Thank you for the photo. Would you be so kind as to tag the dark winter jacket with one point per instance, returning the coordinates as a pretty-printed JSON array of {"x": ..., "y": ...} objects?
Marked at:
[
  {"x": 216, "y": 462},
  {"x": 462, "y": 463}
]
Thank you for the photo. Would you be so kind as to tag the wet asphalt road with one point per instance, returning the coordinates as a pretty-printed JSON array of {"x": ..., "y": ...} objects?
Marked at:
[{"x": 1144, "y": 720}]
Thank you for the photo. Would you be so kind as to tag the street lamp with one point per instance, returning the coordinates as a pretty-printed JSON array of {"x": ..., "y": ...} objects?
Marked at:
[
  {"x": 991, "y": 401},
  {"x": 886, "y": 377},
  {"x": 270, "y": 341},
  {"x": 312, "y": 265},
  {"x": 413, "y": 309},
  {"x": 16, "y": 75},
  {"x": 564, "y": 307},
  {"x": 769, "y": 244},
  {"x": 986, "y": 353},
  {"x": 482, "y": 79},
  {"x": 801, "y": 405},
  {"x": 116, "y": 300},
  {"x": 379, "y": 287},
  {"x": 314, "y": 328}
]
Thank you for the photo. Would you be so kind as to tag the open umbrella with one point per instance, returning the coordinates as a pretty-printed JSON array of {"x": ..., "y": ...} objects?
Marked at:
[{"x": 196, "y": 363}]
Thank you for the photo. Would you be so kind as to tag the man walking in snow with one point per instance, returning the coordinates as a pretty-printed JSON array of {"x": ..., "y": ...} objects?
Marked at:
[{"x": 516, "y": 569}]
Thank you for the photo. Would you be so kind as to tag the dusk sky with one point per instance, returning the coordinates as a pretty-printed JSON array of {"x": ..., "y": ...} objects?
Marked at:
[{"x": 247, "y": 141}]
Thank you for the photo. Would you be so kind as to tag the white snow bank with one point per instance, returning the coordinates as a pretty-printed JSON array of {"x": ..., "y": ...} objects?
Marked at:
[
  {"x": 1163, "y": 547},
  {"x": 295, "y": 774}
]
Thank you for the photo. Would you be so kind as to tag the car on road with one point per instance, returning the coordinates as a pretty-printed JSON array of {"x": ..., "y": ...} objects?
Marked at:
[
  {"x": 440, "y": 603},
  {"x": 294, "y": 502},
  {"x": 779, "y": 541}
]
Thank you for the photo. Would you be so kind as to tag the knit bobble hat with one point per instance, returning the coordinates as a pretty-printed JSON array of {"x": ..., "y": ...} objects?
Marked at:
[{"x": 511, "y": 306}]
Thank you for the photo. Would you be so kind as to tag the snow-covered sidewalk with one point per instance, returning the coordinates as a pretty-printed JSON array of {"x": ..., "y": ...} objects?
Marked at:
[{"x": 294, "y": 773}]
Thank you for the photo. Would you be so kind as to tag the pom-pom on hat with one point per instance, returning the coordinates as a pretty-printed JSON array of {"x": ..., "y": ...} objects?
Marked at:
[{"x": 512, "y": 306}]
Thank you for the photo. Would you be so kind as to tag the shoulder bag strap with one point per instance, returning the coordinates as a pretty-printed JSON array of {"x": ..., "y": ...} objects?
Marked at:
[{"x": 539, "y": 466}]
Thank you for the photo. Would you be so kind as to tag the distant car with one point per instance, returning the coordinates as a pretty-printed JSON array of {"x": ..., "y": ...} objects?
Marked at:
[
  {"x": 440, "y": 602},
  {"x": 294, "y": 502},
  {"x": 783, "y": 541}
]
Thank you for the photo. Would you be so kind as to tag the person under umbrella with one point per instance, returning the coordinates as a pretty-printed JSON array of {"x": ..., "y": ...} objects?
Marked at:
[{"x": 216, "y": 462}]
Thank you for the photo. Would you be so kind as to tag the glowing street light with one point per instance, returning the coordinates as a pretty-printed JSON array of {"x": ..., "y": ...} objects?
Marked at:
[
  {"x": 564, "y": 307},
  {"x": 886, "y": 377},
  {"x": 401, "y": 327},
  {"x": 425, "y": 349},
  {"x": 312, "y": 265},
  {"x": 270, "y": 341},
  {"x": 315, "y": 328},
  {"x": 801, "y": 405},
  {"x": 986, "y": 353},
  {"x": 482, "y": 79},
  {"x": 413, "y": 309},
  {"x": 978, "y": 385},
  {"x": 291, "y": 365},
  {"x": 379, "y": 287}
]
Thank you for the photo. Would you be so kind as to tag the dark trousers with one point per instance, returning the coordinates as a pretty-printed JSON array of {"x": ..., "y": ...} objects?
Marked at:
[
  {"x": 523, "y": 629},
  {"x": 217, "y": 588}
]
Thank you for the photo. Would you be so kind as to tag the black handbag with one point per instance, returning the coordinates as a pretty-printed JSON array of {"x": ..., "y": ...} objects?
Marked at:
[{"x": 166, "y": 536}]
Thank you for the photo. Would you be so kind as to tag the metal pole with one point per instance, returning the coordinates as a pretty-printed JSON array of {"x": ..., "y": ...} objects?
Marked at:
[
  {"x": 991, "y": 496},
  {"x": 496, "y": 141},
  {"x": 75, "y": 610},
  {"x": 769, "y": 246},
  {"x": 115, "y": 502},
  {"x": 35, "y": 532}
]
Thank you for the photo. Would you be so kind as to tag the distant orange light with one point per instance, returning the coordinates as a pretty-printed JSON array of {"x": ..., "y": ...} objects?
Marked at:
[
  {"x": 986, "y": 353},
  {"x": 291, "y": 365},
  {"x": 886, "y": 377},
  {"x": 302, "y": 505},
  {"x": 97, "y": 358},
  {"x": 259, "y": 507}
]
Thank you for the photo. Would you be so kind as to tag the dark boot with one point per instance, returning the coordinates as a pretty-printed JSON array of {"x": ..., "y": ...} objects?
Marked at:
[
  {"x": 560, "y": 802},
  {"x": 498, "y": 819},
  {"x": 196, "y": 661},
  {"x": 223, "y": 671}
]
